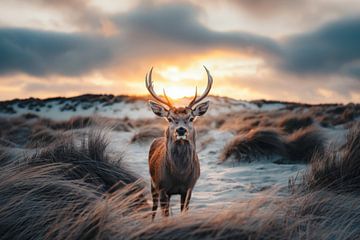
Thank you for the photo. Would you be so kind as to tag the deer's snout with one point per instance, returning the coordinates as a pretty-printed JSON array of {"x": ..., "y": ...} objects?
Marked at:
[{"x": 181, "y": 131}]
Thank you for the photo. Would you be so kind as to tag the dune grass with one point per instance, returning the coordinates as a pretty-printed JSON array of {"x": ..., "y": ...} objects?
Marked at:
[
  {"x": 297, "y": 147},
  {"x": 58, "y": 192},
  {"x": 148, "y": 133},
  {"x": 255, "y": 143},
  {"x": 337, "y": 170},
  {"x": 68, "y": 187},
  {"x": 31, "y": 131},
  {"x": 304, "y": 143},
  {"x": 292, "y": 123},
  {"x": 41, "y": 201}
]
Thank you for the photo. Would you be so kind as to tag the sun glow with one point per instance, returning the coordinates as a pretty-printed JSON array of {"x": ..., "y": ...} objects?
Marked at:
[
  {"x": 179, "y": 83},
  {"x": 175, "y": 92},
  {"x": 175, "y": 74}
]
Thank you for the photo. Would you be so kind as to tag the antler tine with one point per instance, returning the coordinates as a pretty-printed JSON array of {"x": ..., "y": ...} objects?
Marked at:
[
  {"x": 194, "y": 99},
  {"x": 206, "y": 92},
  {"x": 167, "y": 99},
  {"x": 150, "y": 87}
]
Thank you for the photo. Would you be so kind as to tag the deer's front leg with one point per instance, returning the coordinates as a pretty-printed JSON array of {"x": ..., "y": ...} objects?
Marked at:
[
  {"x": 164, "y": 203},
  {"x": 155, "y": 196},
  {"x": 185, "y": 200}
]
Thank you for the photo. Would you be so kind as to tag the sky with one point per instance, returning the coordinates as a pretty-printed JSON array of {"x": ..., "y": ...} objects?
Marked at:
[{"x": 289, "y": 50}]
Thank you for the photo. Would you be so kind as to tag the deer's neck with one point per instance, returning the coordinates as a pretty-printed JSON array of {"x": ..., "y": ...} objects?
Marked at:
[{"x": 180, "y": 154}]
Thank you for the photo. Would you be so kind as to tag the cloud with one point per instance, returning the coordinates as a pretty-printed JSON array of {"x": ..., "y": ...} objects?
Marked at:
[
  {"x": 265, "y": 8},
  {"x": 42, "y": 53},
  {"x": 179, "y": 24},
  {"x": 327, "y": 58},
  {"x": 331, "y": 49},
  {"x": 166, "y": 31},
  {"x": 281, "y": 18},
  {"x": 150, "y": 30},
  {"x": 78, "y": 12},
  {"x": 277, "y": 85}
]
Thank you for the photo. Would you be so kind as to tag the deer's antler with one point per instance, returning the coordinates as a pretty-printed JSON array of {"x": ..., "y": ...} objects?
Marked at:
[
  {"x": 150, "y": 88},
  {"x": 196, "y": 100}
]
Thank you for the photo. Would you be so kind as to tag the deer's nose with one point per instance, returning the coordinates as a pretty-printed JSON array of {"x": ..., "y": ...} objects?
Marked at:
[{"x": 181, "y": 131}]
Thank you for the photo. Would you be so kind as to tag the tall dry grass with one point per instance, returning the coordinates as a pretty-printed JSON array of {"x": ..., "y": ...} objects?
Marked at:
[
  {"x": 61, "y": 191},
  {"x": 337, "y": 170},
  {"x": 148, "y": 133},
  {"x": 245, "y": 147},
  {"x": 297, "y": 147},
  {"x": 293, "y": 123},
  {"x": 31, "y": 131},
  {"x": 72, "y": 189}
]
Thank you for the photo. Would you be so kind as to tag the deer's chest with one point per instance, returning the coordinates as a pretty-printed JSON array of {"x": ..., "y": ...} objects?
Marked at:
[
  {"x": 178, "y": 181},
  {"x": 176, "y": 186}
]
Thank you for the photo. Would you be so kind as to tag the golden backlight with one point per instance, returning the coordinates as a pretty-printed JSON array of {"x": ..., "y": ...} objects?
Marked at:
[
  {"x": 179, "y": 92},
  {"x": 179, "y": 83},
  {"x": 175, "y": 74}
]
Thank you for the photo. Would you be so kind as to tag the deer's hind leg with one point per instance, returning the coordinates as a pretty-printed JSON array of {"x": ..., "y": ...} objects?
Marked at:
[{"x": 155, "y": 198}]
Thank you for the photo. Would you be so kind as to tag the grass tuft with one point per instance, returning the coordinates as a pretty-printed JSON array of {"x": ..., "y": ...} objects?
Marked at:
[{"x": 334, "y": 170}]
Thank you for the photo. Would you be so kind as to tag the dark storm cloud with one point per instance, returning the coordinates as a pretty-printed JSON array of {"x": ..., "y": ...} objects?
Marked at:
[
  {"x": 150, "y": 30},
  {"x": 353, "y": 70},
  {"x": 332, "y": 49},
  {"x": 42, "y": 53}
]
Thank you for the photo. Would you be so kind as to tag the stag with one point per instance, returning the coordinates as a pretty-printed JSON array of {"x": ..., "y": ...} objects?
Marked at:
[{"x": 173, "y": 162}]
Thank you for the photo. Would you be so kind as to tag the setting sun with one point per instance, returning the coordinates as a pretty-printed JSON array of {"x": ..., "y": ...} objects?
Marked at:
[
  {"x": 179, "y": 83},
  {"x": 175, "y": 74},
  {"x": 175, "y": 92}
]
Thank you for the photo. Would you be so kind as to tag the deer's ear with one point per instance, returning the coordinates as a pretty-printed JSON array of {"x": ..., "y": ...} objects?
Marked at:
[
  {"x": 158, "y": 109},
  {"x": 201, "y": 108}
]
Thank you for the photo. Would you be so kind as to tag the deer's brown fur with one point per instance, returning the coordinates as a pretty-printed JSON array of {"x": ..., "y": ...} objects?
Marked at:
[{"x": 173, "y": 163}]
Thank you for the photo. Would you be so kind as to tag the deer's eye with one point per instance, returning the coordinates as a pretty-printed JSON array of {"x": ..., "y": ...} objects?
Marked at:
[
  {"x": 170, "y": 120},
  {"x": 191, "y": 119}
]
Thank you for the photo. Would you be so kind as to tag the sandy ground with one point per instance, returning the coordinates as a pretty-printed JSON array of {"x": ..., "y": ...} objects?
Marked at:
[{"x": 219, "y": 184}]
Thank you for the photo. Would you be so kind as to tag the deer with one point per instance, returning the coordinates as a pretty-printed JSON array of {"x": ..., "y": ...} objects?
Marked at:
[{"x": 173, "y": 162}]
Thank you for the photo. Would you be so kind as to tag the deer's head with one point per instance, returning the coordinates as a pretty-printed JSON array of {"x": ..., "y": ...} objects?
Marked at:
[{"x": 180, "y": 119}]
